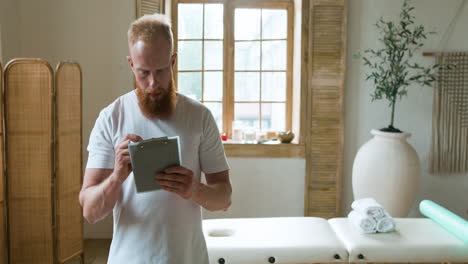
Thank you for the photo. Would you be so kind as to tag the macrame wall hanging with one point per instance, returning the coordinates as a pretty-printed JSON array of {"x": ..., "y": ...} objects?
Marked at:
[
  {"x": 449, "y": 150},
  {"x": 450, "y": 115}
]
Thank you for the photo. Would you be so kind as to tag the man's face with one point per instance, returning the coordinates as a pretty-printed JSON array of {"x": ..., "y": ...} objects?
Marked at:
[{"x": 152, "y": 66}]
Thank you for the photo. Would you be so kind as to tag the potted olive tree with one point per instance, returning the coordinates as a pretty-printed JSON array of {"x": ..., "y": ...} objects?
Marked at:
[{"x": 387, "y": 167}]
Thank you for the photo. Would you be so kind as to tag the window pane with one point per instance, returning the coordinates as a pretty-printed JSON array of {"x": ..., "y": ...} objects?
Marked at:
[
  {"x": 247, "y": 56},
  {"x": 274, "y": 86},
  {"x": 214, "y": 21},
  {"x": 274, "y": 55},
  {"x": 190, "y": 21},
  {"x": 213, "y": 55},
  {"x": 248, "y": 114},
  {"x": 189, "y": 84},
  {"x": 213, "y": 90},
  {"x": 274, "y": 24},
  {"x": 246, "y": 86},
  {"x": 217, "y": 111},
  {"x": 247, "y": 24},
  {"x": 190, "y": 56},
  {"x": 274, "y": 117}
]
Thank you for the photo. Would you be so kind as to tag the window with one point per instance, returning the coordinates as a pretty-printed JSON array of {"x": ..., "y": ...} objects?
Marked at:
[
  {"x": 236, "y": 58},
  {"x": 200, "y": 68}
]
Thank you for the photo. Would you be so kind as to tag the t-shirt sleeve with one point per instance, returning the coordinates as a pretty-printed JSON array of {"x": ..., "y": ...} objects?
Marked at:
[
  {"x": 212, "y": 156},
  {"x": 100, "y": 147}
]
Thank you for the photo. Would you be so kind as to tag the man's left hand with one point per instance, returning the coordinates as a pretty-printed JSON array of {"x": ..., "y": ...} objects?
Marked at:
[{"x": 178, "y": 180}]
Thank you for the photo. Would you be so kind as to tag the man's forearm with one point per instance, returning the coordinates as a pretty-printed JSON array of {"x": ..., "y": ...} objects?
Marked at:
[
  {"x": 213, "y": 197},
  {"x": 99, "y": 200}
]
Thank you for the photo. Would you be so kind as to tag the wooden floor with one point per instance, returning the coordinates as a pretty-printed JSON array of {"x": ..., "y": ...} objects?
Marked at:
[{"x": 96, "y": 251}]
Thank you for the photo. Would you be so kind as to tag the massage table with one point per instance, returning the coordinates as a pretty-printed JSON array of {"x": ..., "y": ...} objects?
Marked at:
[
  {"x": 308, "y": 240},
  {"x": 415, "y": 240},
  {"x": 272, "y": 240}
]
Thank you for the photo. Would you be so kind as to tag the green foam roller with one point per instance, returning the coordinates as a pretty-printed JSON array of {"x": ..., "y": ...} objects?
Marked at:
[{"x": 446, "y": 219}]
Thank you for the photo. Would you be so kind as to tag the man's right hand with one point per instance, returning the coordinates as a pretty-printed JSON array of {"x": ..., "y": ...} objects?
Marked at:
[{"x": 123, "y": 165}]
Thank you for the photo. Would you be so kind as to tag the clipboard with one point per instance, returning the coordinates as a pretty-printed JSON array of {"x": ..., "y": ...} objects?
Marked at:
[{"x": 151, "y": 156}]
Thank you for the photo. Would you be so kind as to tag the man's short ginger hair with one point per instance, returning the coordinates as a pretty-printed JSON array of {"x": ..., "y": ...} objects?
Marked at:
[{"x": 149, "y": 29}]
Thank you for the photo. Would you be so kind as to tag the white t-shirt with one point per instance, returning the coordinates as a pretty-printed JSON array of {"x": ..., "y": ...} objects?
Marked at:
[{"x": 159, "y": 226}]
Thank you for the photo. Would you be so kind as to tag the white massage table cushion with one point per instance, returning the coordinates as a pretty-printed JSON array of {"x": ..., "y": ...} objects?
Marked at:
[
  {"x": 272, "y": 240},
  {"x": 414, "y": 240}
]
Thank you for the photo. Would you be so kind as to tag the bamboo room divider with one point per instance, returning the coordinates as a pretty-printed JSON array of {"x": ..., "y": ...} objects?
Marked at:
[
  {"x": 43, "y": 161},
  {"x": 68, "y": 161},
  {"x": 324, "y": 24},
  {"x": 2, "y": 195},
  {"x": 29, "y": 160}
]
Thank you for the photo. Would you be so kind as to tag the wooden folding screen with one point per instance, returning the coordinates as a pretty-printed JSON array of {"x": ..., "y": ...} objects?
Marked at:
[
  {"x": 68, "y": 178},
  {"x": 323, "y": 81},
  {"x": 29, "y": 160},
  {"x": 2, "y": 196},
  {"x": 43, "y": 161}
]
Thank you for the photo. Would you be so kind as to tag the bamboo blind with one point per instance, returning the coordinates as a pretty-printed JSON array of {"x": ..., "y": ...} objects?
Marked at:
[
  {"x": 29, "y": 160},
  {"x": 323, "y": 81},
  {"x": 2, "y": 195},
  {"x": 147, "y": 7},
  {"x": 68, "y": 159}
]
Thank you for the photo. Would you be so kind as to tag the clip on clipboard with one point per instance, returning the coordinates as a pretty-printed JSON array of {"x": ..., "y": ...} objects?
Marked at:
[{"x": 150, "y": 157}]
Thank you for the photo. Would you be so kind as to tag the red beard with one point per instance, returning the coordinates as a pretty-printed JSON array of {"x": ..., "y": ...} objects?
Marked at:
[{"x": 161, "y": 108}]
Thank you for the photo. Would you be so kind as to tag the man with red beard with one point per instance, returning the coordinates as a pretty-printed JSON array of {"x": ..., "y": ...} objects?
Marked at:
[{"x": 162, "y": 226}]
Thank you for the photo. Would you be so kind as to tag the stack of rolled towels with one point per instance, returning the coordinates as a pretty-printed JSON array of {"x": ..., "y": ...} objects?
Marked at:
[{"x": 370, "y": 217}]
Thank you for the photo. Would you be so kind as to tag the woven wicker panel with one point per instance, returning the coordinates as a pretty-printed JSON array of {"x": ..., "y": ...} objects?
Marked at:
[
  {"x": 2, "y": 238},
  {"x": 28, "y": 132},
  {"x": 68, "y": 161},
  {"x": 2, "y": 196},
  {"x": 325, "y": 50},
  {"x": 148, "y": 7}
]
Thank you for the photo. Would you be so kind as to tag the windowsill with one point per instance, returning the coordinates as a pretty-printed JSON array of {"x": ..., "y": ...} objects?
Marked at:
[{"x": 278, "y": 150}]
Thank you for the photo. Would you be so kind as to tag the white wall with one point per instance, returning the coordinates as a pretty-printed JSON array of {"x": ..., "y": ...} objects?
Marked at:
[
  {"x": 90, "y": 32},
  {"x": 261, "y": 188},
  {"x": 265, "y": 188},
  {"x": 9, "y": 30},
  {"x": 94, "y": 34},
  {"x": 414, "y": 113},
  {"x": 1, "y": 50}
]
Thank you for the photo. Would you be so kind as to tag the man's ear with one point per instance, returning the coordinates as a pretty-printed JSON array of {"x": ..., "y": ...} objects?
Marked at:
[
  {"x": 174, "y": 60},
  {"x": 130, "y": 61}
]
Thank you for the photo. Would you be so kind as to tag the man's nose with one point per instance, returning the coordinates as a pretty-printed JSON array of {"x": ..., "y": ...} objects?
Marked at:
[{"x": 154, "y": 80}]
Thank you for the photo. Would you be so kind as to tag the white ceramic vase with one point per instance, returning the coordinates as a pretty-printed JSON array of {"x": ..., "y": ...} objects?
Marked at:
[{"x": 387, "y": 168}]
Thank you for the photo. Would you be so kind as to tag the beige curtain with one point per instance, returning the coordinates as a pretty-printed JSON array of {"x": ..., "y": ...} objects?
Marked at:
[{"x": 450, "y": 115}]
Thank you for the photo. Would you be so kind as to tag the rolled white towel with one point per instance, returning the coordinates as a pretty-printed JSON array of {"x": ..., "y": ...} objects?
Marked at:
[
  {"x": 366, "y": 224},
  {"x": 385, "y": 224},
  {"x": 369, "y": 207}
]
